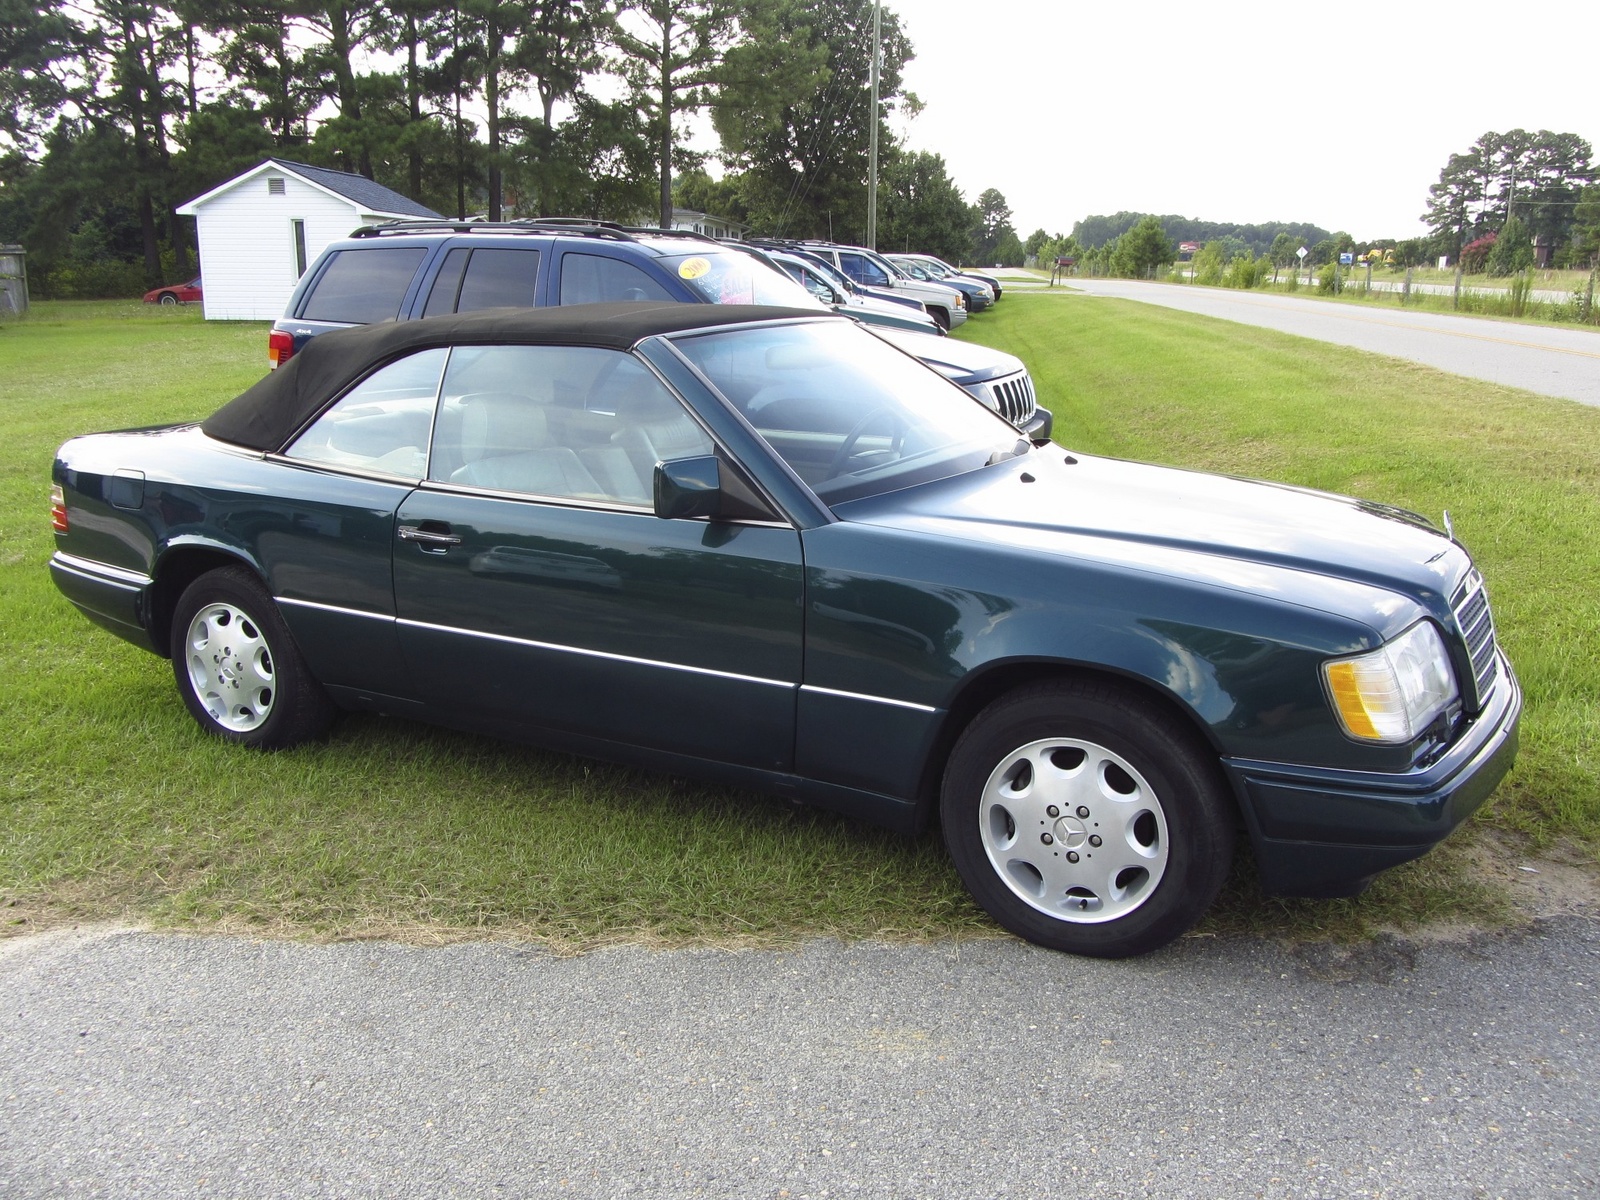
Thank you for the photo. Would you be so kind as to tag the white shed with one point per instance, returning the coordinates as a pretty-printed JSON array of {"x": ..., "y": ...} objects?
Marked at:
[{"x": 259, "y": 231}]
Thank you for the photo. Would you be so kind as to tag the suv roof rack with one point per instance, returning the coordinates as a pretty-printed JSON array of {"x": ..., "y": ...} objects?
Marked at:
[
  {"x": 570, "y": 226},
  {"x": 429, "y": 225}
]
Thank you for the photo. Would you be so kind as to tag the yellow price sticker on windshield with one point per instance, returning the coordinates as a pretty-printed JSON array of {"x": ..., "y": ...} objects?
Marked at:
[{"x": 693, "y": 268}]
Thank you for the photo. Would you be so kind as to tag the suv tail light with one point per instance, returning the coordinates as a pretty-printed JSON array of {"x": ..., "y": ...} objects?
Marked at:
[
  {"x": 58, "y": 509},
  {"x": 280, "y": 348}
]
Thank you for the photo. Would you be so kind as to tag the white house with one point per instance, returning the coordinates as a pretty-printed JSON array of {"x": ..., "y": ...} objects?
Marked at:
[
  {"x": 698, "y": 222},
  {"x": 259, "y": 231}
]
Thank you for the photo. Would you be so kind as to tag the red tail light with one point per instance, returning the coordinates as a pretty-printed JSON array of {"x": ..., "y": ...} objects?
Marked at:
[
  {"x": 58, "y": 509},
  {"x": 280, "y": 348}
]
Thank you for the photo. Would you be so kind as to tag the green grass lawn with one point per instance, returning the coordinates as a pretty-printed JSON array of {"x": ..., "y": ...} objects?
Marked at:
[{"x": 114, "y": 805}]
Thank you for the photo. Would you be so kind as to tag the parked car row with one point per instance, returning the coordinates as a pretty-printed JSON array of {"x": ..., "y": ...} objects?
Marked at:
[{"x": 406, "y": 270}]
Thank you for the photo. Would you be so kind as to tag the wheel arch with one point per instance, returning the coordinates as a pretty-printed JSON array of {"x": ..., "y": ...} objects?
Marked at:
[
  {"x": 177, "y": 568},
  {"x": 981, "y": 688}
]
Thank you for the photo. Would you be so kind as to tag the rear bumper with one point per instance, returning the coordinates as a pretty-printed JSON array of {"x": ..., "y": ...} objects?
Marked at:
[
  {"x": 1323, "y": 832},
  {"x": 111, "y": 597}
]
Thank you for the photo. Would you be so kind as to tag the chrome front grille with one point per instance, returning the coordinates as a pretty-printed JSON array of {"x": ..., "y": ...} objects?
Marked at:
[
  {"x": 1013, "y": 397},
  {"x": 1471, "y": 607}
]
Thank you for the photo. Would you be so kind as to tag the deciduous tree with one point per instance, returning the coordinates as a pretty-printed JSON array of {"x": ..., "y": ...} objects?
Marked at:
[{"x": 793, "y": 111}]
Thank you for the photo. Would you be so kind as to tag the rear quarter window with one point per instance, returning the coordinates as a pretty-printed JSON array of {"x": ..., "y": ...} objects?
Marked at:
[{"x": 358, "y": 287}]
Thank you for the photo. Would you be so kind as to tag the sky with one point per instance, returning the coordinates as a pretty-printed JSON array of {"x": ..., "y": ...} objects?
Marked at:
[{"x": 1234, "y": 110}]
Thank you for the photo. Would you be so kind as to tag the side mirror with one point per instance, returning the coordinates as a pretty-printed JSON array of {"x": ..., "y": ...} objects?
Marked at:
[{"x": 688, "y": 487}]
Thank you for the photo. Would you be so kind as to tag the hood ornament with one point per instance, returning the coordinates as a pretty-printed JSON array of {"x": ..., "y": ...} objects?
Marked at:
[{"x": 1449, "y": 529}]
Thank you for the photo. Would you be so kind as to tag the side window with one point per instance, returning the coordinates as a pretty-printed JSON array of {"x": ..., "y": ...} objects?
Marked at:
[
  {"x": 447, "y": 283},
  {"x": 497, "y": 278},
  {"x": 362, "y": 286},
  {"x": 568, "y": 422},
  {"x": 594, "y": 279},
  {"x": 813, "y": 283},
  {"x": 863, "y": 270},
  {"x": 382, "y": 423}
]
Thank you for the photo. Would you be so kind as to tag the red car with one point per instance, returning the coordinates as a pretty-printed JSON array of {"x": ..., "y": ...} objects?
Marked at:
[{"x": 176, "y": 293}]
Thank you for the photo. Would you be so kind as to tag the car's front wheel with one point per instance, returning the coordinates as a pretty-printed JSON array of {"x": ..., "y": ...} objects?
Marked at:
[
  {"x": 167, "y": 299},
  {"x": 237, "y": 667},
  {"x": 1085, "y": 818}
]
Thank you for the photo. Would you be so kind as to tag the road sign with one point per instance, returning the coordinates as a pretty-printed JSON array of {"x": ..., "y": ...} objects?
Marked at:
[{"x": 1301, "y": 253}]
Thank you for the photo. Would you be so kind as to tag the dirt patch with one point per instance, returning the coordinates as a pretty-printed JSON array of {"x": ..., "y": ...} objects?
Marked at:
[{"x": 1559, "y": 881}]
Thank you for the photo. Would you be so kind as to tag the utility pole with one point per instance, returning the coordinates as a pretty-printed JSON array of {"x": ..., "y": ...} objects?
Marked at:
[{"x": 872, "y": 144}]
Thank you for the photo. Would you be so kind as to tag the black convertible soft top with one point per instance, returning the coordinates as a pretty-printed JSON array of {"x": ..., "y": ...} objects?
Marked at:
[{"x": 271, "y": 412}]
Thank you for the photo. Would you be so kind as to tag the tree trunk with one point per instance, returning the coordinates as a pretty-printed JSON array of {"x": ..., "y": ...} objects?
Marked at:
[
  {"x": 666, "y": 120},
  {"x": 491, "y": 94},
  {"x": 345, "y": 80},
  {"x": 414, "y": 105},
  {"x": 136, "y": 80}
]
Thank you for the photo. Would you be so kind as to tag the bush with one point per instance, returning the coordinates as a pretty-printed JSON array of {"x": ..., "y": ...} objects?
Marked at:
[
  {"x": 1512, "y": 251},
  {"x": 102, "y": 280},
  {"x": 1246, "y": 271},
  {"x": 1208, "y": 264},
  {"x": 1473, "y": 254},
  {"x": 1331, "y": 281}
]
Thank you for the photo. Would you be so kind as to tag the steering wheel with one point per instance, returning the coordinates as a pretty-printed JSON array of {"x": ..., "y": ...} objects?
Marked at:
[{"x": 842, "y": 455}]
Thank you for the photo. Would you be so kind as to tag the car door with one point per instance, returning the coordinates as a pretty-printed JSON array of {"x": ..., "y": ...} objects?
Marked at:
[
  {"x": 470, "y": 276},
  {"x": 535, "y": 588},
  {"x": 863, "y": 270}
]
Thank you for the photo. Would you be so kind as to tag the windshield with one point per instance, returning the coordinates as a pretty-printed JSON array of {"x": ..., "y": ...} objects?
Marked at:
[
  {"x": 851, "y": 415},
  {"x": 724, "y": 278}
]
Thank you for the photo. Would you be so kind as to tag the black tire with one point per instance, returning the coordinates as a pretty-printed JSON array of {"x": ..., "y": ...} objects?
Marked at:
[
  {"x": 237, "y": 666},
  {"x": 1158, "y": 815},
  {"x": 167, "y": 299},
  {"x": 941, "y": 318}
]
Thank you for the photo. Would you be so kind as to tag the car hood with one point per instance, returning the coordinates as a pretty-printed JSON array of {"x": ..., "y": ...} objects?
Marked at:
[
  {"x": 913, "y": 318},
  {"x": 965, "y": 362},
  {"x": 1233, "y": 532}
]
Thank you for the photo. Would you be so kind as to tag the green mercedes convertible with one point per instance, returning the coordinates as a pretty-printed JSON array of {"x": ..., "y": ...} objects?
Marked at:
[{"x": 764, "y": 546}]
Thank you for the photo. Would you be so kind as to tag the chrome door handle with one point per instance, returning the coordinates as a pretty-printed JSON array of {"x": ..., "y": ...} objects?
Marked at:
[{"x": 426, "y": 538}]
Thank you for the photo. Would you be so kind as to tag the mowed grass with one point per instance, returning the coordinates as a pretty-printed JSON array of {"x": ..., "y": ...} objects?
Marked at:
[{"x": 115, "y": 806}]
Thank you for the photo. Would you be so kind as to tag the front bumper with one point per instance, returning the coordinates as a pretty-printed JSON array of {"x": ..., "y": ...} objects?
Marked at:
[{"x": 1324, "y": 832}]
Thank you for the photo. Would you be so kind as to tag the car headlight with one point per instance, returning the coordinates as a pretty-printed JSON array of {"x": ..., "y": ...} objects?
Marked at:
[{"x": 1395, "y": 692}]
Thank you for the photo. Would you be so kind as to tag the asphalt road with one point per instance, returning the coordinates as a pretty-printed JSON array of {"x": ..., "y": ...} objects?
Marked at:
[
  {"x": 1548, "y": 360},
  {"x": 134, "y": 1064}
]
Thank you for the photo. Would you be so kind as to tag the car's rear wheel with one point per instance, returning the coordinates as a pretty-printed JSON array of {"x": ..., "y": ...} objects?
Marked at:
[
  {"x": 1085, "y": 818},
  {"x": 237, "y": 667},
  {"x": 168, "y": 298}
]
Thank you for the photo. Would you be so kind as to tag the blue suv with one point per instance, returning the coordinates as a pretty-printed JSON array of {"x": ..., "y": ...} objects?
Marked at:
[
  {"x": 406, "y": 270},
  {"x": 410, "y": 269}
]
